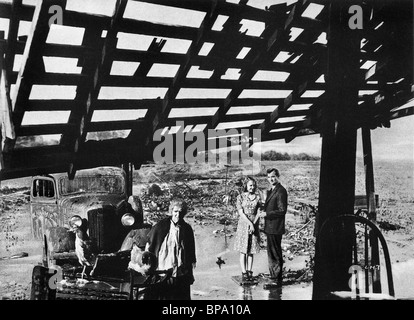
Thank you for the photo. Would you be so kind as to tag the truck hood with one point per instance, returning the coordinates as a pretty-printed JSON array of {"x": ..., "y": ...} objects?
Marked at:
[{"x": 81, "y": 204}]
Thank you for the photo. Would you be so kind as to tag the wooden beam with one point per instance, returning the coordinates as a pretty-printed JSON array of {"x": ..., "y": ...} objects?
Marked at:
[
  {"x": 296, "y": 113},
  {"x": 113, "y": 125},
  {"x": 89, "y": 64},
  {"x": 402, "y": 113},
  {"x": 273, "y": 34},
  {"x": 47, "y": 160},
  {"x": 228, "y": 118},
  {"x": 371, "y": 205},
  {"x": 30, "y": 66},
  {"x": 162, "y": 82},
  {"x": 197, "y": 43},
  {"x": 279, "y": 125},
  {"x": 6, "y": 125},
  {"x": 46, "y": 105},
  {"x": 146, "y": 65},
  {"x": 179, "y": 58},
  {"x": 34, "y": 130},
  {"x": 339, "y": 133},
  {"x": 283, "y": 135},
  {"x": 101, "y": 71},
  {"x": 12, "y": 37},
  {"x": 52, "y": 105},
  {"x": 56, "y": 50},
  {"x": 61, "y": 79},
  {"x": 369, "y": 172},
  {"x": 127, "y": 55}
]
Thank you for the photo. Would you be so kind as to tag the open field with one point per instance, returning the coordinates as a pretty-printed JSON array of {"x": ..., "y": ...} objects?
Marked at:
[{"x": 214, "y": 223}]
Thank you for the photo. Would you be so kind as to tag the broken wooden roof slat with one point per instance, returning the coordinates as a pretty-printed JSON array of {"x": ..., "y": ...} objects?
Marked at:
[
  {"x": 194, "y": 120},
  {"x": 67, "y": 105},
  {"x": 113, "y": 125},
  {"x": 181, "y": 74},
  {"x": 46, "y": 129},
  {"x": 12, "y": 37},
  {"x": 101, "y": 70},
  {"x": 52, "y": 105},
  {"x": 271, "y": 47},
  {"x": 30, "y": 66}
]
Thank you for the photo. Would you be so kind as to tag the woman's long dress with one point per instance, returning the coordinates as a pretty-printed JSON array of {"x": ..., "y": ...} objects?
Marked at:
[{"x": 244, "y": 242}]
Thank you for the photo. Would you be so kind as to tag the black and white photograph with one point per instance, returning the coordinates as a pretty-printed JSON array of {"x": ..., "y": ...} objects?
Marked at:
[{"x": 225, "y": 151}]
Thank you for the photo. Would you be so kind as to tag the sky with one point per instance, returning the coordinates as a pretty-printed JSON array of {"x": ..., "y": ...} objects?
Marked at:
[{"x": 393, "y": 143}]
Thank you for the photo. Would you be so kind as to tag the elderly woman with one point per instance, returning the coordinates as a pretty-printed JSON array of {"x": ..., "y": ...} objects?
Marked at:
[{"x": 172, "y": 242}]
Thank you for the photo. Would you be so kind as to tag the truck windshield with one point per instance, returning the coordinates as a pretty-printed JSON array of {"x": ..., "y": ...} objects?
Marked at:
[{"x": 92, "y": 184}]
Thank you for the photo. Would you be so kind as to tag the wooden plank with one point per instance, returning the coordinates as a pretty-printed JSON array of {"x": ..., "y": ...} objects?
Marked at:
[
  {"x": 273, "y": 37},
  {"x": 189, "y": 33},
  {"x": 296, "y": 113},
  {"x": 369, "y": 173},
  {"x": 12, "y": 37},
  {"x": 304, "y": 80},
  {"x": 126, "y": 104},
  {"x": 402, "y": 113},
  {"x": 279, "y": 125},
  {"x": 56, "y": 50},
  {"x": 194, "y": 120},
  {"x": 132, "y": 82},
  {"x": 52, "y": 105},
  {"x": 7, "y": 127},
  {"x": 197, "y": 43},
  {"x": 89, "y": 64},
  {"x": 30, "y": 66},
  {"x": 101, "y": 71},
  {"x": 33, "y": 130},
  {"x": 283, "y": 135},
  {"x": 6, "y": 124},
  {"x": 146, "y": 65},
  {"x": 61, "y": 79},
  {"x": 113, "y": 125},
  {"x": 179, "y": 58},
  {"x": 183, "y": 103},
  {"x": 83, "y": 51}
]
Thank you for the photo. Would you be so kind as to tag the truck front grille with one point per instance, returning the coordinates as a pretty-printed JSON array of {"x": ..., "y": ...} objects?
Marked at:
[{"x": 103, "y": 224}]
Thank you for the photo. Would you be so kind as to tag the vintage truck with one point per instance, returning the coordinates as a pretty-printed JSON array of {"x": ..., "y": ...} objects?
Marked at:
[{"x": 114, "y": 220}]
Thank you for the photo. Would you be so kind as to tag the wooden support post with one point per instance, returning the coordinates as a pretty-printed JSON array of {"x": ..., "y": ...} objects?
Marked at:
[
  {"x": 369, "y": 173},
  {"x": 339, "y": 132},
  {"x": 6, "y": 125},
  {"x": 371, "y": 203}
]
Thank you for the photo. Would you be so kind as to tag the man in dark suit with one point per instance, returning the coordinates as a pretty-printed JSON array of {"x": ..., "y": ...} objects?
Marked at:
[{"x": 275, "y": 208}]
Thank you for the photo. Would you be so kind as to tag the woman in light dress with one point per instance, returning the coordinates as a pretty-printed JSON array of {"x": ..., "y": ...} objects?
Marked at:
[{"x": 247, "y": 240}]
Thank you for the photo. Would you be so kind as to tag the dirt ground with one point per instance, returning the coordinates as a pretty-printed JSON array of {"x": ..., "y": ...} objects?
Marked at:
[{"x": 214, "y": 224}]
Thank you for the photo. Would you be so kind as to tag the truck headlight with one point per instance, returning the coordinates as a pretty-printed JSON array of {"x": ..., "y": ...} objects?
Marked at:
[
  {"x": 128, "y": 220},
  {"x": 75, "y": 221}
]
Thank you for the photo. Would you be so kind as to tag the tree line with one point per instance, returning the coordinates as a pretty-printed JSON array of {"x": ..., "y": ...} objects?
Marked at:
[{"x": 272, "y": 155}]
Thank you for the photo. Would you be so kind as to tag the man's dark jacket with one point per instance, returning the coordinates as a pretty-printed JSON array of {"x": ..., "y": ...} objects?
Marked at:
[{"x": 275, "y": 207}]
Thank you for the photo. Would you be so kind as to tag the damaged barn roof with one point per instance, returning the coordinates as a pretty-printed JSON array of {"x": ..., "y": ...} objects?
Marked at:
[{"x": 90, "y": 87}]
